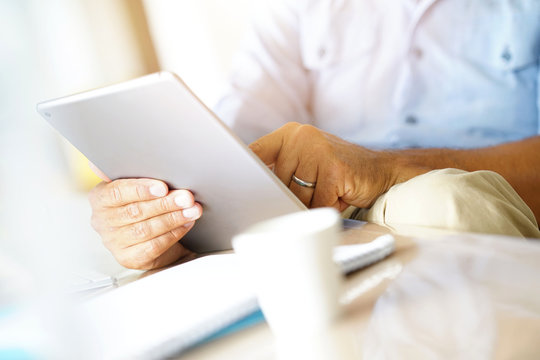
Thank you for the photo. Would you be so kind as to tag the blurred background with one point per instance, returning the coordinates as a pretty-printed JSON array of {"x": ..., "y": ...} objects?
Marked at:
[{"x": 55, "y": 48}]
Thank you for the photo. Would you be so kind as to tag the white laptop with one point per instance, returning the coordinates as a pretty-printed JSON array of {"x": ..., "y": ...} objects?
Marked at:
[{"x": 155, "y": 127}]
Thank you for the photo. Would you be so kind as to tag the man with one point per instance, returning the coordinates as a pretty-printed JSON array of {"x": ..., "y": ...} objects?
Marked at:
[{"x": 436, "y": 83}]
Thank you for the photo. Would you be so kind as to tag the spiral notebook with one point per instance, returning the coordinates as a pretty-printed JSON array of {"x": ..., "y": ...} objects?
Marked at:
[{"x": 175, "y": 309}]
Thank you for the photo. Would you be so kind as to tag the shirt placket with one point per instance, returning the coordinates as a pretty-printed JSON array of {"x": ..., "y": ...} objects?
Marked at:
[{"x": 408, "y": 90}]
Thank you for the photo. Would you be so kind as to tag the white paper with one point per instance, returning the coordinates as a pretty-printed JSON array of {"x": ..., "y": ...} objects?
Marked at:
[{"x": 169, "y": 310}]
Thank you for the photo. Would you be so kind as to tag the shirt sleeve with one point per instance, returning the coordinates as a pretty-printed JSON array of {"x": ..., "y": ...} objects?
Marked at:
[{"x": 269, "y": 85}]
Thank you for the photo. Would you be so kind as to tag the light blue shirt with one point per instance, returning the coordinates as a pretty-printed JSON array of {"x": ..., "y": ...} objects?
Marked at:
[{"x": 392, "y": 74}]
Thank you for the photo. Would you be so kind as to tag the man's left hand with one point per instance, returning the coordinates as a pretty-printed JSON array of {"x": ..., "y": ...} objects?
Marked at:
[{"x": 343, "y": 173}]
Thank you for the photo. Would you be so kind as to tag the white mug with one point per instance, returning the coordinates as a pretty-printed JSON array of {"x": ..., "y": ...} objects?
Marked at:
[{"x": 289, "y": 262}]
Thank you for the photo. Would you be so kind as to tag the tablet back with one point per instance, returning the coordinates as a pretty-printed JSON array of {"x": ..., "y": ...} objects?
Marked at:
[{"x": 155, "y": 127}]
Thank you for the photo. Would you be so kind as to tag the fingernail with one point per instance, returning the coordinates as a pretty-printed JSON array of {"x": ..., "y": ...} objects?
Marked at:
[
  {"x": 191, "y": 213},
  {"x": 186, "y": 225},
  {"x": 183, "y": 200},
  {"x": 158, "y": 190}
]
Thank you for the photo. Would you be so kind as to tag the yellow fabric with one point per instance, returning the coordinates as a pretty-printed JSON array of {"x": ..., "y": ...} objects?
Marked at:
[{"x": 454, "y": 200}]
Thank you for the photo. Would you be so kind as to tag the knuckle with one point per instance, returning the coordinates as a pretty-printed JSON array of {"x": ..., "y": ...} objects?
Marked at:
[
  {"x": 306, "y": 129},
  {"x": 140, "y": 190},
  {"x": 292, "y": 125},
  {"x": 141, "y": 230},
  {"x": 132, "y": 212},
  {"x": 173, "y": 219},
  {"x": 169, "y": 220},
  {"x": 163, "y": 204},
  {"x": 307, "y": 133},
  {"x": 115, "y": 192}
]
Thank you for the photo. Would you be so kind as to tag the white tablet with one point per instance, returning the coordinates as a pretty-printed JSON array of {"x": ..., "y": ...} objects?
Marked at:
[{"x": 155, "y": 127}]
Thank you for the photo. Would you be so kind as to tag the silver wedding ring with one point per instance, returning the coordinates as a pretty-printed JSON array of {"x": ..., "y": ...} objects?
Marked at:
[{"x": 303, "y": 183}]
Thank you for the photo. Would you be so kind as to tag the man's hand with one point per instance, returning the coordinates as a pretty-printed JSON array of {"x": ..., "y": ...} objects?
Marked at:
[
  {"x": 345, "y": 174},
  {"x": 140, "y": 221}
]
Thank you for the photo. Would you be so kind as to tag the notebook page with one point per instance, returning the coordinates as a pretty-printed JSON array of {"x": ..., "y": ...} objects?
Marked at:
[{"x": 169, "y": 310}]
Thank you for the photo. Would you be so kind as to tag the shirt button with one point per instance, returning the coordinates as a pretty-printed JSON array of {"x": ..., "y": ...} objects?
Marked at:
[
  {"x": 411, "y": 120},
  {"x": 321, "y": 52},
  {"x": 506, "y": 55},
  {"x": 417, "y": 52}
]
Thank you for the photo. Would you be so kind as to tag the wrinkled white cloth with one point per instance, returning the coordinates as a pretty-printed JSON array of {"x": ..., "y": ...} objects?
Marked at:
[{"x": 454, "y": 200}]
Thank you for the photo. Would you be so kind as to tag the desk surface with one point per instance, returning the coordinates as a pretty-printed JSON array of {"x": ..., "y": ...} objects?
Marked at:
[{"x": 453, "y": 296}]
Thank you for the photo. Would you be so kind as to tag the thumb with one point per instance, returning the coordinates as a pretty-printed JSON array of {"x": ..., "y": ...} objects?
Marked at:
[
  {"x": 267, "y": 148},
  {"x": 98, "y": 172}
]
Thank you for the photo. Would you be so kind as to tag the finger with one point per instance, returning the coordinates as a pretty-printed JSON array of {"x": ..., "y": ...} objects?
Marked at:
[
  {"x": 142, "y": 231},
  {"x": 139, "y": 211},
  {"x": 325, "y": 194},
  {"x": 98, "y": 172},
  {"x": 267, "y": 148},
  {"x": 286, "y": 165},
  {"x": 307, "y": 170},
  {"x": 157, "y": 252},
  {"x": 174, "y": 253},
  {"x": 125, "y": 191}
]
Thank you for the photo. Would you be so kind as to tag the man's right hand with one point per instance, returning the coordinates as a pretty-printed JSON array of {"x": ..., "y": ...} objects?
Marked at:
[{"x": 140, "y": 221}]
